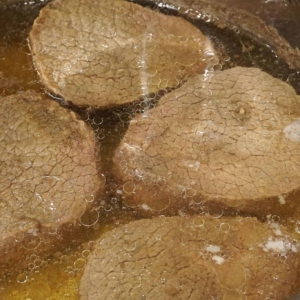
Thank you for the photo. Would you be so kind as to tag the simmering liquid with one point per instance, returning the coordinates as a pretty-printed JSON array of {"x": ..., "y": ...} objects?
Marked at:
[{"x": 57, "y": 276}]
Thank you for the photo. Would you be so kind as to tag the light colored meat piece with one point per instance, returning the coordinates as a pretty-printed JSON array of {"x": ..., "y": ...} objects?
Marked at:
[
  {"x": 48, "y": 174},
  {"x": 113, "y": 52},
  {"x": 231, "y": 137},
  {"x": 192, "y": 258}
]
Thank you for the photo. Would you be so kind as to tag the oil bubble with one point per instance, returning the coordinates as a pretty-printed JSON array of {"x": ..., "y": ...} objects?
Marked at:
[
  {"x": 79, "y": 263},
  {"x": 129, "y": 187},
  {"x": 97, "y": 122},
  {"x": 184, "y": 39},
  {"x": 127, "y": 247},
  {"x": 217, "y": 67},
  {"x": 145, "y": 104},
  {"x": 89, "y": 218},
  {"x": 125, "y": 117},
  {"x": 198, "y": 222},
  {"x": 215, "y": 212},
  {"x": 21, "y": 278},
  {"x": 147, "y": 180},
  {"x": 107, "y": 207},
  {"x": 90, "y": 198},
  {"x": 151, "y": 71},
  {"x": 69, "y": 269},
  {"x": 19, "y": 237},
  {"x": 91, "y": 245},
  {"x": 199, "y": 202},
  {"x": 206, "y": 18},
  {"x": 44, "y": 263},
  {"x": 239, "y": 218},
  {"x": 100, "y": 135},
  {"x": 233, "y": 202},
  {"x": 114, "y": 200},
  {"x": 225, "y": 227},
  {"x": 33, "y": 256},
  {"x": 163, "y": 84},
  {"x": 31, "y": 241},
  {"x": 38, "y": 262},
  {"x": 58, "y": 255},
  {"x": 86, "y": 253},
  {"x": 283, "y": 257},
  {"x": 190, "y": 192},
  {"x": 156, "y": 206},
  {"x": 52, "y": 230},
  {"x": 275, "y": 218},
  {"x": 65, "y": 258},
  {"x": 135, "y": 282}
]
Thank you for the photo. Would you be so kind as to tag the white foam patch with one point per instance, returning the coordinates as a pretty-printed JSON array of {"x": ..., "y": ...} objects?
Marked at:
[
  {"x": 213, "y": 249},
  {"x": 218, "y": 259},
  {"x": 281, "y": 246},
  {"x": 281, "y": 199},
  {"x": 145, "y": 207},
  {"x": 292, "y": 131}
]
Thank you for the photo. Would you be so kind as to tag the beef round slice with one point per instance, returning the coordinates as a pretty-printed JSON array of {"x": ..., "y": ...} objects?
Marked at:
[
  {"x": 230, "y": 137},
  {"x": 192, "y": 258},
  {"x": 48, "y": 176},
  {"x": 112, "y": 52}
]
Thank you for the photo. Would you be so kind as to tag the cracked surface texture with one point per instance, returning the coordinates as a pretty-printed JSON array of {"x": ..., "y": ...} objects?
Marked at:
[
  {"x": 113, "y": 53},
  {"x": 192, "y": 258},
  {"x": 48, "y": 171},
  {"x": 230, "y": 137}
]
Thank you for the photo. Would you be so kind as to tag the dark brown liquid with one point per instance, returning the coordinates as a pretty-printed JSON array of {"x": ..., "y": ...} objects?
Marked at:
[{"x": 57, "y": 276}]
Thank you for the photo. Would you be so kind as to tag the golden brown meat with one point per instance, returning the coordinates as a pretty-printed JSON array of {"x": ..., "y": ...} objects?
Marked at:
[
  {"x": 192, "y": 258},
  {"x": 113, "y": 52},
  {"x": 48, "y": 177},
  {"x": 230, "y": 138}
]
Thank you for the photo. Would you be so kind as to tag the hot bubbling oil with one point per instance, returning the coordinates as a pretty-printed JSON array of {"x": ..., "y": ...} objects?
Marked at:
[{"x": 57, "y": 276}]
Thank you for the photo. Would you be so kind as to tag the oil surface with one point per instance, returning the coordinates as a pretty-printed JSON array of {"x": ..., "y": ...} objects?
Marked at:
[{"x": 57, "y": 276}]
